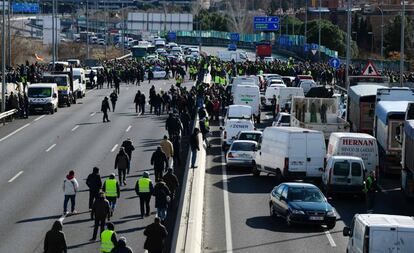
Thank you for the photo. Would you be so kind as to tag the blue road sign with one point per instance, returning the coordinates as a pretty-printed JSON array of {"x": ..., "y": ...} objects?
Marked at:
[
  {"x": 334, "y": 62},
  {"x": 25, "y": 7},
  {"x": 234, "y": 36},
  {"x": 314, "y": 46},
  {"x": 266, "y": 19},
  {"x": 266, "y": 26},
  {"x": 306, "y": 47},
  {"x": 232, "y": 47},
  {"x": 172, "y": 36}
]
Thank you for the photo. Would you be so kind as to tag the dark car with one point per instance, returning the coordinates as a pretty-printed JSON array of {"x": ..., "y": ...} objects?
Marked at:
[{"x": 301, "y": 203}]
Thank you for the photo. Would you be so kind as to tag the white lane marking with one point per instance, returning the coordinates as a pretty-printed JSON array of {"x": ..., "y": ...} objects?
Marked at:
[
  {"x": 93, "y": 114},
  {"x": 114, "y": 148},
  {"x": 39, "y": 118},
  {"x": 129, "y": 128},
  {"x": 14, "y": 132},
  {"x": 76, "y": 127},
  {"x": 16, "y": 176},
  {"x": 330, "y": 239},
  {"x": 51, "y": 147},
  {"x": 227, "y": 221}
]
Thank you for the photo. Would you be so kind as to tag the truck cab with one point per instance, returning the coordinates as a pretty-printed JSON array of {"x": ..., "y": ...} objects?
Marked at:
[{"x": 65, "y": 94}]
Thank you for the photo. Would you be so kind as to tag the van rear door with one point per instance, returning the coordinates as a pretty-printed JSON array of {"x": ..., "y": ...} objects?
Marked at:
[
  {"x": 405, "y": 239},
  {"x": 383, "y": 240},
  {"x": 315, "y": 154},
  {"x": 297, "y": 153}
]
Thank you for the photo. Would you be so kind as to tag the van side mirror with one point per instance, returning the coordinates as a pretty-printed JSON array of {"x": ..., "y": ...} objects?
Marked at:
[
  {"x": 54, "y": 95},
  {"x": 398, "y": 133},
  {"x": 346, "y": 231}
]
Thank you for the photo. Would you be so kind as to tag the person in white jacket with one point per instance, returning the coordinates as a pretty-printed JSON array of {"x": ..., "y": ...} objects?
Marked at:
[{"x": 70, "y": 188}]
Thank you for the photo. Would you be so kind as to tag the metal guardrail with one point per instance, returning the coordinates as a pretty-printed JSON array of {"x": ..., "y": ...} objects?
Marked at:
[{"x": 7, "y": 113}]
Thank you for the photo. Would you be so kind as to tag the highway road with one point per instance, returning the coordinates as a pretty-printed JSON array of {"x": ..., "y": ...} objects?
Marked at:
[{"x": 37, "y": 153}]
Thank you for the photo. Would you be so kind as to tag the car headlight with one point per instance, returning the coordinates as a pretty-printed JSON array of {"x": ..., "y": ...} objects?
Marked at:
[
  {"x": 331, "y": 213},
  {"x": 294, "y": 211}
]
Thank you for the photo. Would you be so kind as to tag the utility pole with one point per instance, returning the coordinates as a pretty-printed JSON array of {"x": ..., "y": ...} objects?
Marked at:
[
  {"x": 123, "y": 29},
  {"x": 8, "y": 34},
  {"x": 294, "y": 16},
  {"x": 3, "y": 61},
  {"x": 53, "y": 35},
  {"x": 402, "y": 44},
  {"x": 319, "y": 33},
  {"x": 306, "y": 22},
  {"x": 87, "y": 29},
  {"x": 106, "y": 13},
  {"x": 280, "y": 8},
  {"x": 348, "y": 43}
]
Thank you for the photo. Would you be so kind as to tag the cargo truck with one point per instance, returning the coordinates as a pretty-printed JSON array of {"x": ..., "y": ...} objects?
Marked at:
[
  {"x": 406, "y": 136},
  {"x": 317, "y": 114}
]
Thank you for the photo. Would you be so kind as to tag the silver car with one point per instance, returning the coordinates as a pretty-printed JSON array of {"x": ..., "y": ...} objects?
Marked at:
[{"x": 241, "y": 154}]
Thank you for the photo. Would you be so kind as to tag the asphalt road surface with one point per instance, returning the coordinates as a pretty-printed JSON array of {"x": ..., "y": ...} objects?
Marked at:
[
  {"x": 37, "y": 153},
  {"x": 237, "y": 217}
]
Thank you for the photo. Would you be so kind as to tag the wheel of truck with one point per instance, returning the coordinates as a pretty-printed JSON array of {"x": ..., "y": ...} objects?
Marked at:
[
  {"x": 255, "y": 171},
  {"x": 52, "y": 111},
  {"x": 68, "y": 103},
  {"x": 279, "y": 177},
  {"x": 74, "y": 99},
  {"x": 56, "y": 109}
]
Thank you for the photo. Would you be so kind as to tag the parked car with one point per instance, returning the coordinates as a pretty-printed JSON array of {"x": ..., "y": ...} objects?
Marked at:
[
  {"x": 241, "y": 153},
  {"x": 301, "y": 203}
]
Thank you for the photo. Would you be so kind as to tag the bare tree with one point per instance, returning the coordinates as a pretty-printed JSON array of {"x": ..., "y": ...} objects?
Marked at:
[{"x": 238, "y": 13}]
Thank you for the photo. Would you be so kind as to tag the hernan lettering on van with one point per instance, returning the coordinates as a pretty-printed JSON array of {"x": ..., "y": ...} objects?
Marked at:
[{"x": 358, "y": 142}]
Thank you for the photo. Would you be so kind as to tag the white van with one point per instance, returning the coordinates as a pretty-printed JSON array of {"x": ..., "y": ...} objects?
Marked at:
[
  {"x": 343, "y": 174},
  {"x": 244, "y": 80},
  {"x": 380, "y": 233},
  {"x": 239, "y": 112},
  {"x": 248, "y": 95},
  {"x": 43, "y": 97},
  {"x": 79, "y": 74},
  {"x": 355, "y": 144},
  {"x": 284, "y": 97},
  {"x": 270, "y": 92},
  {"x": 232, "y": 127},
  {"x": 291, "y": 153}
]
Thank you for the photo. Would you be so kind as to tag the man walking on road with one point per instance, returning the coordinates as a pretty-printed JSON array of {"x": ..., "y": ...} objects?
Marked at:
[
  {"x": 137, "y": 102},
  {"x": 122, "y": 246},
  {"x": 160, "y": 162},
  {"x": 105, "y": 108},
  {"x": 70, "y": 188},
  {"x": 370, "y": 188},
  {"x": 114, "y": 98},
  {"x": 112, "y": 191},
  {"x": 129, "y": 147},
  {"x": 171, "y": 181},
  {"x": 156, "y": 234},
  {"x": 94, "y": 183},
  {"x": 144, "y": 190},
  {"x": 55, "y": 241},
  {"x": 122, "y": 164},
  {"x": 162, "y": 198},
  {"x": 195, "y": 146},
  {"x": 100, "y": 211},
  {"x": 108, "y": 238},
  {"x": 168, "y": 149}
]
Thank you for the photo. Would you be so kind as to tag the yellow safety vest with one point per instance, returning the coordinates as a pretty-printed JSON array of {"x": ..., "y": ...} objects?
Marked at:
[
  {"x": 144, "y": 184},
  {"x": 217, "y": 79},
  {"x": 106, "y": 241},
  {"x": 110, "y": 188},
  {"x": 223, "y": 81}
]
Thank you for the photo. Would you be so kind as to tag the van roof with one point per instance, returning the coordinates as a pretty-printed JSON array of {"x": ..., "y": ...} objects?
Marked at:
[
  {"x": 345, "y": 157},
  {"x": 383, "y": 109},
  {"x": 293, "y": 129},
  {"x": 40, "y": 85},
  {"x": 385, "y": 220},
  {"x": 358, "y": 91},
  {"x": 352, "y": 135}
]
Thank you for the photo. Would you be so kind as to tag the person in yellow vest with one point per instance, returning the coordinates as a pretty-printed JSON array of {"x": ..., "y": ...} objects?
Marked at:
[
  {"x": 108, "y": 238},
  {"x": 178, "y": 81},
  {"x": 112, "y": 191},
  {"x": 223, "y": 81},
  {"x": 144, "y": 190}
]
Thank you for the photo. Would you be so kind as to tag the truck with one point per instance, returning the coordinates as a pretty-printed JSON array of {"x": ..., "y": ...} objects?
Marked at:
[
  {"x": 361, "y": 107},
  {"x": 68, "y": 87},
  {"x": 263, "y": 49},
  {"x": 248, "y": 95},
  {"x": 390, "y": 109},
  {"x": 406, "y": 136},
  {"x": 238, "y": 56},
  {"x": 317, "y": 114}
]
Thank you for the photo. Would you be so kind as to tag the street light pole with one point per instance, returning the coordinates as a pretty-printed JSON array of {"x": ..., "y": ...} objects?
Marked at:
[
  {"x": 382, "y": 37},
  {"x": 372, "y": 43},
  {"x": 348, "y": 43},
  {"x": 87, "y": 29},
  {"x": 294, "y": 15},
  {"x": 53, "y": 35},
  {"x": 8, "y": 35},
  {"x": 306, "y": 21},
  {"x": 3, "y": 61},
  {"x": 402, "y": 44},
  {"x": 319, "y": 33}
]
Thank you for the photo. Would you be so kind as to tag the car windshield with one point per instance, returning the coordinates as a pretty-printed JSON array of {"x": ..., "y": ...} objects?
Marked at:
[
  {"x": 39, "y": 92},
  {"x": 285, "y": 119},
  {"x": 249, "y": 136},
  {"x": 299, "y": 194},
  {"x": 243, "y": 146}
]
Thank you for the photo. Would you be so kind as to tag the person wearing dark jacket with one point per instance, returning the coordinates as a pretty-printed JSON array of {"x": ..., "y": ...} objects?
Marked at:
[
  {"x": 122, "y": 247},
  {"x": 144, "y": 190},
  {"x": 122, "y": 164},
  {"x": 100, "y": 211},
  {"x": 195, "y": 146},
  {"x": 156, "y": 234},
  {"x": 94, "y": 183},
  {"x": 171, "y": 181},
  {"x": 160, "y": 162},
  {"x": 129, "y": 147},
  {"x": 114, "y": 98},
  {"x": 55, "y": 241},
  {"x": 142, "y": 103},
  {"x": 137, "y": 102},
  {"x": 162, "y": 198},
  {"x": 105, "y": 108}
]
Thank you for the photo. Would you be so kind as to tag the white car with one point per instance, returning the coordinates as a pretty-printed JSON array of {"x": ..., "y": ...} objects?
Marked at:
[
  {"x": 159, "y": 73},
  {"x": 282, "y": 119},
  {"x": 241, "y": 154}
]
